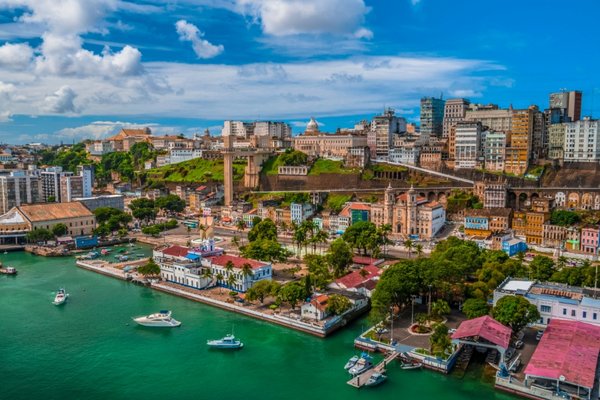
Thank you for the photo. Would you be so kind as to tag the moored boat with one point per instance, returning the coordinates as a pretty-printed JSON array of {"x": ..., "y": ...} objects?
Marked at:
[
  {"x": 228, "y": 342},
  {"x": 351, "y": 362},
  {"x": 61, "y": 297},
  {"x": 376, "y": 379},
  {"x": 364, "y": 363},
  {"x": 160, "y": 319}
]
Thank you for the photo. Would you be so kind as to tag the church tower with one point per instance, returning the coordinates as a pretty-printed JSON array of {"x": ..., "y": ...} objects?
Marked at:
[{"x": 388, "y": 206}]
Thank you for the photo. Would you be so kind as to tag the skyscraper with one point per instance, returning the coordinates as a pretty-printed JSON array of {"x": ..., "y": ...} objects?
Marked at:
[
  {"x": 383, "y": 127},
  {"x": 432, "y": 117},
  {"x": 454, "y": 111}
]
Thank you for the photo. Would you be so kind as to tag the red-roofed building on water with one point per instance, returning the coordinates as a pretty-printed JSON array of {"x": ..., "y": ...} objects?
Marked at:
[
  {"x": 409, "y": 215},
  {"x": 359, "y": 281},
  {"x": 316, "y": 308}
]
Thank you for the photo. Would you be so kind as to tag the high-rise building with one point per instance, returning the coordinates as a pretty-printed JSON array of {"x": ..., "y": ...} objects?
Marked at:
[
  {"x": 494, "y": 150},
  {"x": 569, "y": 104},
  {"x": 432, "y": 117},
  {"x": 468, "y": 149},
  {"x": 19, "y": 188},
  {"x": 582, "y": 141},
  {"x": 71, "y": 187},
  {"x": 539, "y": 136},
  {"x": 383, "y": 129},
  {"x": 51, "y": 183},
  {"x": 556, "y": 141},
  {"x": 244, "y": 130},
  {"x": 454, "y": 111},
  {"x": 87, "y": 173},
  {"x": 519, "y": 150},
  {"x": 490, "y": 116}
]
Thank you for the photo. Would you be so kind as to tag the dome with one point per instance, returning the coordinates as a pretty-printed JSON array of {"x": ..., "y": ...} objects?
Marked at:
[{"x": 312, "y": 125}]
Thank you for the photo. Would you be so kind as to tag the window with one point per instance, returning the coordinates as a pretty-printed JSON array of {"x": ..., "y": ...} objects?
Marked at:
[
  {"x": 573, "y": 313},
  {"x": 564, "y": 311},
  {"x": 545, "y": 309},
  {"x": 584, "y": 314}
]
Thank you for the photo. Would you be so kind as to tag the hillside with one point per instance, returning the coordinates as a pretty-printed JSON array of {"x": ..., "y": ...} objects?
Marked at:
[{"x": 197, "y": 171}]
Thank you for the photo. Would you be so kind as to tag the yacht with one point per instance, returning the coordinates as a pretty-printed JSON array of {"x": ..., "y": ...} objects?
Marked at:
[
  {"x": 364, "y": 363},
  {"x": 61, "y": 297},
  {"x": 228, "y": 342},
  {"x": 376, "y": 379},
  {"x": 160, "y": 319},
  {"x": 8, "y": 270},
  {"x": 351, "y": 362}
]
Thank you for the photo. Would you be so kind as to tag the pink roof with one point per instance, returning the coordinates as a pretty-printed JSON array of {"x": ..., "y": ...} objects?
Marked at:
[
  {"x": 238, "y": 262},
  {"x": 176, "y": 251},
  {"x": 486, "y": 328},
  {"x": 354, "y": 278},
  {"x": 569, "y": 349}
]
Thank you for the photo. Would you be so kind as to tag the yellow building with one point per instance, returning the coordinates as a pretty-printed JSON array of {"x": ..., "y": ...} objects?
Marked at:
[{"x": 519, "y": 149}]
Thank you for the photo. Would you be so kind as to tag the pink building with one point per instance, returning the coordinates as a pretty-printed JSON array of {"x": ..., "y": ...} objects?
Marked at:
[{"x": 589, "y": 240}]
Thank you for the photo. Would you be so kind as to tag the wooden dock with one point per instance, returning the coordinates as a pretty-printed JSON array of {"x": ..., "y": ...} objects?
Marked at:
[{"x": 360, "y": 380}]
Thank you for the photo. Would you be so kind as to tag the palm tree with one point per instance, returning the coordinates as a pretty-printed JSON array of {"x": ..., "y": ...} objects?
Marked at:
[
  {"x": 207, "y": 274},
  {"x": 229, "y": 267},
  {"x": 419, "y": 249},
  {"x": 236, "y": 241},
  {"x": 299, "y": 236},
  {"x": 241, "y": 225},
  {"x": 220, "y": 279},
  {"x": 247, "y": 271},
  {"x": 409, "y": 246},
  {"x": 231, "y": 280},
  {"x": 384, "y": 231}
]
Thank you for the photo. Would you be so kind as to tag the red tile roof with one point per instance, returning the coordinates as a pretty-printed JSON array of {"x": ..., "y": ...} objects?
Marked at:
[
  {"x": 569, "y": 349},
  {"x": 346, "y": 212},
  {"x": 238, "y": 262},
  {"x": 176, "y": 251},
  {"x": 484, "y": 327},
  {"x": 320, "y": 302},
  {"x": 366, "y": 260},
  {"x": 354, "y": 278}
]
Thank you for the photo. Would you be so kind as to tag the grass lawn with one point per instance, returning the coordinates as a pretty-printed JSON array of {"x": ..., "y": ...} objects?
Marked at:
[
  {"x": 271, "y": 166},
  {"x": 322, "y": 166},
  {"x": 196, "y": 170},
  {"x": 335, "y": 202}
]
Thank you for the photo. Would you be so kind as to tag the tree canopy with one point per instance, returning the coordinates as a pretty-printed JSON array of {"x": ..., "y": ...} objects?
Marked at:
[
  {"x": 339, "y": 257},
  {"x": 564, "y": 217},
  {"x": 293, "y": 157},
  {"x": 515, "y": 311},
  {"x": 171, "y": 202},
  {"x": 474, "y": 308},
  {"x": 264, "y": 230},
  {"x": 338, "y": 304},
  {"x": 265, "y": 250},
  {"x": 59, "y": 230},
  {"x": 149, "y": 269}
]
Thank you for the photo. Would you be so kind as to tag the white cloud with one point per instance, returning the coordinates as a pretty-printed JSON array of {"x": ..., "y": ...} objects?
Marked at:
[
  {"x": 202, "y": 47},
  {"x": 102, "y": 129},
  {"x": 465, "y": 93},
  {"x": 5, "y": 116},
  {"x": 61, "y": 102},
  {"x": 15, "y": 56},
  {"x": 291, "y": 17}
]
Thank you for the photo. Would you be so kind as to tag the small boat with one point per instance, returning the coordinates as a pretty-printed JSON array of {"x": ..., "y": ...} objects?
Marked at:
[
  {"x": 122, "y": 258},
  {"x": 160, "y": 319},
  {"x": 376, "y": 379},
  {"x": 5, "y": 252},
  {"x": 228, "y": 342},
  {"x": 61, "y": 297},
  {"x": 364, "y": 363},
  {"x": 104, "y": 251},
  {"x": 8, "y": 270},
  {"x": 407, "y": 362},
  {"x": 351, "y": 362}
]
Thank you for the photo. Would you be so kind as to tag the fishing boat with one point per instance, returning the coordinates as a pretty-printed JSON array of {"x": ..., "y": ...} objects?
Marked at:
[
  {"x": 351, "y": 362},
  {"x": 364, "y": 363},
  {"x": 376, "y": 379},
  {"x": 61, "y": 297},
  {"x": 8, "y": 270},
  {"x": 228, "y": 342},
  {"x": 160, "y": 319}
]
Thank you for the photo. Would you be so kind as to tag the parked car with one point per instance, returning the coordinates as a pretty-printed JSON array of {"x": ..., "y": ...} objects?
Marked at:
[
  {"x": 519, "y": 344},
  {"x": 451, "y": 331},
  {"x": 539, "y": 334}
]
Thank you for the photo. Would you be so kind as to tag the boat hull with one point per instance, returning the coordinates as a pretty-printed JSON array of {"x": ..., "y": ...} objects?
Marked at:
[
  {"x": 225, "y": 346},
  {"x": 157, "y": 324}
]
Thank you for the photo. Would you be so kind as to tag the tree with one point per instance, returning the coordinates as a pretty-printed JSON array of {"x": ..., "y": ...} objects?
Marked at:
[
  {"x": 265, "y": 250},
  {"x": 292, "y": 292},
  {"x": 474, "y": 308},
  {"x": 235, "y": 241},
  {"x": 151, "y": 268},
  {"x": 319, "y": 270},
  {"x": 439, "y": 308},
  {"x": 262, "y": 289},
  {"x": 409, "y": 246},
  {"x": 439, "y": 339},
  {"x": 220, "y": 280},
  {"x": 395, "y": 287},
  {"x": 240, "y": 225},
  {"x": 339, "y": 257},
  {"x": 231, "y": 280},
  {"x": 419, "y": 249},
  {"x": 363, "y": 235},
  {"x": 39, "y": 235},
  {"x": 338, "y": 304},
  {"x": 265, "y": 229},
  {"x": 59, "y": 230},
  {"x": 564, "y": 218},
  {"x": 541, "y": 268},
  {"x": 247, "y": 271},
  {"x": 152, "y": 230},
  {"x": 170, "y": 203},
  {"x": 515, "y": 311}
]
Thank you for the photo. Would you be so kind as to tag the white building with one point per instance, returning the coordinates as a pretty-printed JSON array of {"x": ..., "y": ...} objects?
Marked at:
[
  {"x": 383, "y": 129},
  {"x": 301, "y": 212},
  {"x": 245, "y": 130},
  {"x": 408, "y": 154},
  {"x": 259, "y": 271},
  {"x": 181, "y": 155},
  {"x": 554, "y": 300},
  {"x": 582, "y": 141},
  {"x": 467, "y": 139},
  {"x": 494, "y": 150},
  {"x": 182, "y": 266},
  {"x": 87, "y": 173}
]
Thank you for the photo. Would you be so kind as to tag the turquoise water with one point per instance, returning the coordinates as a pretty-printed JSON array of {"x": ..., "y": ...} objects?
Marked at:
[{"x": 90, "y": 349}]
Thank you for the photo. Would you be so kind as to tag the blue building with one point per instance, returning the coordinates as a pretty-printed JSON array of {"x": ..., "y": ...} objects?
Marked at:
[
  {"x": 300, "y": 212},
  {"x": 513, "y": 246}
]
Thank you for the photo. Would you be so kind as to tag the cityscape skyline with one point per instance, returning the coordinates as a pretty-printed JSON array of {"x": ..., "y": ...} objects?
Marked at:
[{"x": 91, "y": 69}]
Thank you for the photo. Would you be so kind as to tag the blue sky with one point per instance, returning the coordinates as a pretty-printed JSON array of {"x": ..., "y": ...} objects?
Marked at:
[{"x": 74, "y": 69}]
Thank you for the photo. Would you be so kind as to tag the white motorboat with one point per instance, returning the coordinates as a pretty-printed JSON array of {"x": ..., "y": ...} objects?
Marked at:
[
  {"x": 351, "y": 362},
  {"x": 228, "y": 342},
  {"x": 376, "y": 379},
  {"x": 364, "y": 363},
  {"x": 160, "y": 319},
  {"x": 61, "y": 297}
]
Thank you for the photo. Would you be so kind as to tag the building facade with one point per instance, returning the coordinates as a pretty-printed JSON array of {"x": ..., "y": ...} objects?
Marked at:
[
  {"x": 582, "y": 141},
  {"x": 432, "y": 117},
  {"x": 381, "y": 133},
  {"x": 19, "y": 188},
  {"x": 454, "y": 111},
  {"x": 468, "y": 150}
]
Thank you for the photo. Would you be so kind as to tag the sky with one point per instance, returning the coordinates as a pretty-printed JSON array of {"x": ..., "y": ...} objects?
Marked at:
[{"x": 78, "y": 69}]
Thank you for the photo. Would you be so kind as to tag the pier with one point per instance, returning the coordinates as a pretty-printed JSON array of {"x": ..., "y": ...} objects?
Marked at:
[{"x": 361, "y": 379}]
